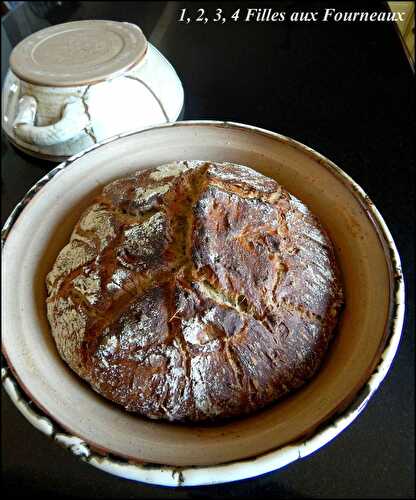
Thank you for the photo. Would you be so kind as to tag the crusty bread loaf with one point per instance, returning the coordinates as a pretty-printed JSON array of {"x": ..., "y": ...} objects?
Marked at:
[{"x": 194, "y": 291}]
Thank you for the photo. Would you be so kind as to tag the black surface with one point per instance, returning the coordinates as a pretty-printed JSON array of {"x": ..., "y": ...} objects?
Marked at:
[{"x": 346, "y": 90}]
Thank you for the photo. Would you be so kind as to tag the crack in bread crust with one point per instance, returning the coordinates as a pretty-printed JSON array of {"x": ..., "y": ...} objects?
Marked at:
[{"x": 203, "y": 291}]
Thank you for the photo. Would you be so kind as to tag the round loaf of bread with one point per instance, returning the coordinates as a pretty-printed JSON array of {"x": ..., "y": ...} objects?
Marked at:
[{"x": 193, "y": 291}]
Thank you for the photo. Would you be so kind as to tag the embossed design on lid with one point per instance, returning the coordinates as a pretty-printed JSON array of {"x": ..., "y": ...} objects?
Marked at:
[{"x": 78, "y": 53}]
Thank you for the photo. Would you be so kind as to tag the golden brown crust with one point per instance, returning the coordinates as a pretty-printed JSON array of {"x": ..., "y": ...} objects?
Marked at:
[{"x": 195, "y": 291}]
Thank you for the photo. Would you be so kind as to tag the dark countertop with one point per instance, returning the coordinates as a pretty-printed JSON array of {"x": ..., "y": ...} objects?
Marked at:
[{"x": 344, "y": 89}]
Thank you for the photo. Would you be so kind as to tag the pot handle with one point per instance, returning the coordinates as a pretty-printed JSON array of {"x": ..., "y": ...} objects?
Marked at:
[{"x": 74, "y": 119}]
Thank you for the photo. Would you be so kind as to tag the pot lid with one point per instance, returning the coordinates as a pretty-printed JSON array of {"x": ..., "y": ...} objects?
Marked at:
[{"x": 78, "y": 53}]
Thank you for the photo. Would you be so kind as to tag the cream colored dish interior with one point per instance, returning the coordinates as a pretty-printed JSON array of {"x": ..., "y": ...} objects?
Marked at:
[{"x": 44, "y": 227}]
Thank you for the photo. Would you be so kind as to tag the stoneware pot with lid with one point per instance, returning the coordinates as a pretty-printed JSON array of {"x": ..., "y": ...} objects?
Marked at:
[{"x": 76, "y": 84}]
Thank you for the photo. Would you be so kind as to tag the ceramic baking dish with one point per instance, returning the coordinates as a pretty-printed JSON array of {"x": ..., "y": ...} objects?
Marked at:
[{"x": 66, "y": 409}]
